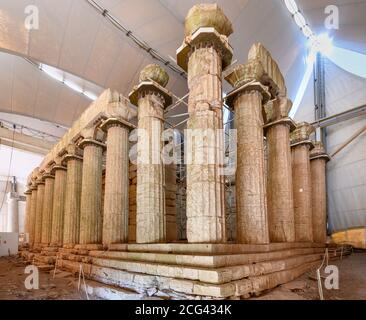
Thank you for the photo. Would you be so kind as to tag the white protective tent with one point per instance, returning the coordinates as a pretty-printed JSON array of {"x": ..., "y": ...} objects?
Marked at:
[{"x": 94, "y": 54}]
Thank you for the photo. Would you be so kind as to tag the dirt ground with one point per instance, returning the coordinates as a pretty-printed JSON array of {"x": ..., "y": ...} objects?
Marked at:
[
  {"x": 12, "y": 287},
  {"x": 352, "y": 282}
]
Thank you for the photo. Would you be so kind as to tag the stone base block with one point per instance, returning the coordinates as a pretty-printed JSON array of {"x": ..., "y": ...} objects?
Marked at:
[{"x": 188, "y": 271}]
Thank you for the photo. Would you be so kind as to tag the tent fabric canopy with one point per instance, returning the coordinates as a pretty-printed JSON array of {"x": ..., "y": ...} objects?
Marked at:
[{"x": 76, "y": 39}]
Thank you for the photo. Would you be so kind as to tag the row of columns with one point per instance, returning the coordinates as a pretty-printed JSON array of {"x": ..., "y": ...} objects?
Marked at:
[{"x": 282, "y": 207}]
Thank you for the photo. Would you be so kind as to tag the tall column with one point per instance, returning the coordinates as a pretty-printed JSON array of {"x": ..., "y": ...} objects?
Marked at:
[
  {"x": 39, "y": 209},
  {"x": 281, "y": 219},
  {"x": 318, "y": 162},
  {"x": 91, "y": 191},
  {"x": 13, "y": 212},
  {"x": 204, "y": 54},
  {"x": 116, "y": 200},
  {"x": 74, "y": 163},
  {"x": 33, "y": 213},
  {"x": 49, "y": 180},
  {"x": 301, "y": 179},
  {"x": 58, "y": 203},
  {"x": 151, "y": 98},
  {"x": 28, "y": 208}
]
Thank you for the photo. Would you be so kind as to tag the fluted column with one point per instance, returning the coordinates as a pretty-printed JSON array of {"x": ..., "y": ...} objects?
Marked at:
[
  {"x": 301, "y": 178},
  {"x": 74, "y": 164},
  {"x": 151, "y": 98},
  {"x": 252, "y": 221},
  {"x": 28, "y": 209},
  {"x": 33, "y": 214},
  {"x": 204, "y": 54},
  {"x": 116, "y": 200},
  {"x": 58, "y": 204},
  {"x": 318, "y": 162},
  {"x": 91, "y": 192},
  {"x": 49, "y": 180},
  {"x": 39, "y": 211},
  {"x": 280, "y": 203}
]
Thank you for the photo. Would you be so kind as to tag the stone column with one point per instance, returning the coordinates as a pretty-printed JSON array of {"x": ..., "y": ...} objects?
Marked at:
[
  {"x": 74, "y": 162},
  {"x": 39, "y": 211},
  {"x": 151, "y": 98},
  {"x": 13, "y": 212},
  {"x": 318, "y": 162},
  {"x": 171, "y": 202},
  {"x": 252, "y": 222},
  {"x": 28, "y": 208},
  {"x": 49, "y": 180},
  {"x": 204, "y": 54},
  {"x": 301, "y": 179},
  {"x": 91, "y": 191},
  {"x": 116, "y": 200},
  {"x": 58, "y": 203},
  {"x": 33, "y": 213},
  {"x": 279, "y": 175}
]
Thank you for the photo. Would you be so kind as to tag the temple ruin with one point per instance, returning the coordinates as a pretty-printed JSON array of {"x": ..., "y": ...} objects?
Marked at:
[{"x": 88, "y": 205}]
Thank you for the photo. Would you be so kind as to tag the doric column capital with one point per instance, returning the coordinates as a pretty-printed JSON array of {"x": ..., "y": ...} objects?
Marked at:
[
  {"x": 72, "y": 152},
  {"x": 247, "y": 88},
  {"x": 28, "y": 191},
  {"x": 262, "y": 68},
  {"x": 47, "y": 174},
  {"x": 319, "y": 152},
  {"x": 87, "y": 142},
  {"x": 206, "y": 24},
  {"x": 301, "y": 135},
  {"x": 114, "y": 122},
  {"x": 277, "y": 113},
  {"x": 153, "y": 80}
]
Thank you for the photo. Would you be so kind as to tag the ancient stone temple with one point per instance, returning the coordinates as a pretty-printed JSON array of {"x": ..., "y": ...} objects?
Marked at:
[{"x": 92, "y": 207}]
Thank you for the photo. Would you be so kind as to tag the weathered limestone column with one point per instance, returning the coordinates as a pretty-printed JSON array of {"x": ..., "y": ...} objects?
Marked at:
[
  {"x": 171, "y": 202},
  {"x": 151, "y": 98},
  {"x": 301, "y": 179},
  {"x": 28, "y": 208},
  {"x": 13, "y": 212},
  {"x": 280, "y": 201},
  {"x": 318, "y": 162},
  {"x": 33, "y": 213},
  {"x": 74, "y": 163},
  {"x": 58, "y": 203},
  {"x": 39, "y": 211},
  {"x": 204, "y": 54},
  {"x": 49, "y": 181},
  {"x": 116, "y": 200},
  {"x": 255, "y": 83},
  {"x": 91, "y": 189},
  {"x": 252, "y": 221}
]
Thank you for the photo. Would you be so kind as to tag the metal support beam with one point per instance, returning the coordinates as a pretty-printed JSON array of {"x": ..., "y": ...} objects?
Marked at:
[
  {"x": 24, "y": 142},
  {"x": 319, "y": 97},
  {"x": 340, "y": 117}
]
